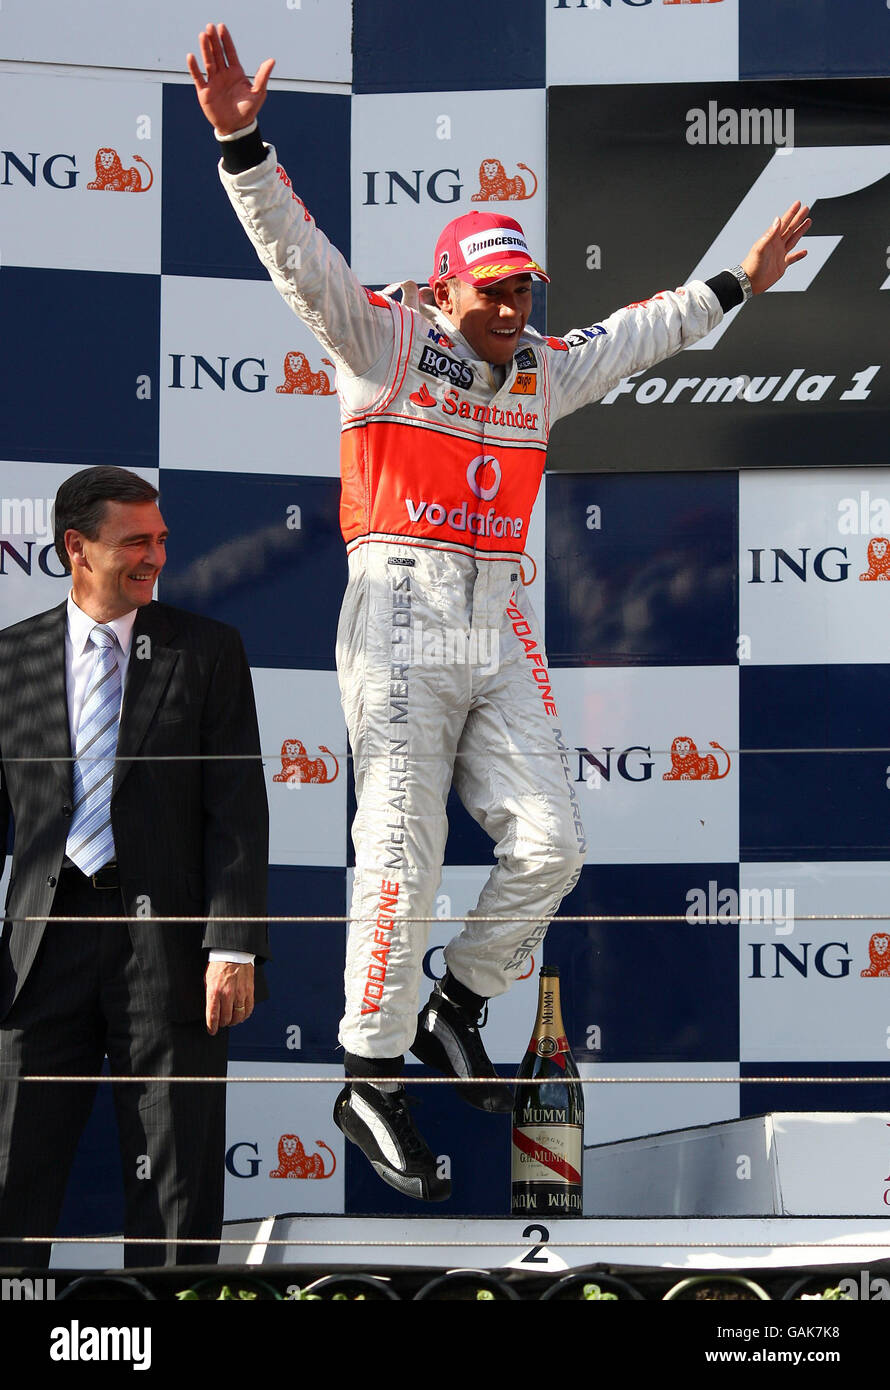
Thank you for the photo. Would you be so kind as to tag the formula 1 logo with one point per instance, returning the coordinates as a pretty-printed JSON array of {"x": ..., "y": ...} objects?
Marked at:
[
  {"x": 488, "y": 466},
  {"x": 810, "y": 174}
]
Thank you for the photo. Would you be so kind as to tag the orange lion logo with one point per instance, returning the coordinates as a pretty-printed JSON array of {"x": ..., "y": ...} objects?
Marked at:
[
  {"x": 299, "y": 378},
  {"x": 688, "y": 765},
  {"x": 114, "y": 178},
  {"x": 878, "y": 559},
  {"x": 297, "y": 766},
  {"x": 879, "y": 956},
  {"x": 294, "y": 1162},
  {"x": 494, "y": 186}
]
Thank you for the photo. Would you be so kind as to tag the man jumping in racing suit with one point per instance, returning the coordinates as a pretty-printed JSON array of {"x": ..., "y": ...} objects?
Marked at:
[{"x": 447, "y": 400}]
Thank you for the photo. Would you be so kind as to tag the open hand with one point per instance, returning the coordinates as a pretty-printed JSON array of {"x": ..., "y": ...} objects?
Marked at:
[
  {"x": 771, "y": 256},
  {"x": 227, "y": 98}
]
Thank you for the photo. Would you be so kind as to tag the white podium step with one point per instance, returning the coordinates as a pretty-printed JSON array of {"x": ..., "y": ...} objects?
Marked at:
[
  {"x": 542, "y": 1247},
  {"x": 785, "y": 1164}
]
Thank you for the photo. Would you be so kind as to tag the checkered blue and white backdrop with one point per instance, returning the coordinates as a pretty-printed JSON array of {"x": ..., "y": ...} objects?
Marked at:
[{"x": 699, "y": 554}]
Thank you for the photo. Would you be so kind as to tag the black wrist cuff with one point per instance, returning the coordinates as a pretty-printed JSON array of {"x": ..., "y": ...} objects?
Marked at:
[
  {"x": 727, "y": 289},
  {"x": 246, "y": 153}
]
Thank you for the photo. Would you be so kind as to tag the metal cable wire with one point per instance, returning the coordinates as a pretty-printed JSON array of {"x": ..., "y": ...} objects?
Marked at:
[
  {"x": 471, "y": 1080},
  {"x": 504, "y": 1244},
  {"x": 714, "y": 920},
  {"x": 420, "y": 756}
]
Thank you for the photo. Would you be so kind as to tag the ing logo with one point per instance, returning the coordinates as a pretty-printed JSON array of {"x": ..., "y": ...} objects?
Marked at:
[
  {"x": 112, "y": 177},
  {"x": 688, "y": 765},
  {"x": 878, "y": 559},
  {"x": 297, "y": 766},
  {"x": 299, "y": 378},
  {"x": 879, "y": 957},
  {"x": 294, "y": 1162},
  {"x": 495, "y": 186}
]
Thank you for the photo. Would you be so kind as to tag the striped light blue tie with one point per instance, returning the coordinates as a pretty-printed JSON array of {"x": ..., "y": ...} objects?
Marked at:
[{"x": 90, "y": 841}]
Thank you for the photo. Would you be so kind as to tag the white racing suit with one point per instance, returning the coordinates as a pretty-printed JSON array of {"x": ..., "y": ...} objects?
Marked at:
[{"x": 442, "y": 671}]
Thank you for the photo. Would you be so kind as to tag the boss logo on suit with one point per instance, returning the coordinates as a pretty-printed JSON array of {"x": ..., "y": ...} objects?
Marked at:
[{"x": 131, "y": 771}]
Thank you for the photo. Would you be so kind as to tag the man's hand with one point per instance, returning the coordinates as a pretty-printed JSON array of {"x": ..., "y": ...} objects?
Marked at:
[
  {"x": 771, "y": 256},
  {"x": 227, "y": 98},
  {"x": 229, "y": 992}
]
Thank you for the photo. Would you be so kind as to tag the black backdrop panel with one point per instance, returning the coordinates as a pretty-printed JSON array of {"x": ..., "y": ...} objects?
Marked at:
[{"x": 632, "y": 186}]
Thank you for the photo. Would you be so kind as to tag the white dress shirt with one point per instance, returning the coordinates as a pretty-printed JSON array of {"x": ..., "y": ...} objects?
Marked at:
[{"x": 80, "y": 654}]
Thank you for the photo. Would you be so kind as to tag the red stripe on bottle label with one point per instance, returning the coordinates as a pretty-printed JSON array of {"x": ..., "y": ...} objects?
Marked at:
[{"x": 546, "y": 1157}]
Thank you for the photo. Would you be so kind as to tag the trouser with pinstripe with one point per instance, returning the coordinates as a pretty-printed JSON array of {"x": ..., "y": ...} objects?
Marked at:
[{"x": 84, "y": 1000}]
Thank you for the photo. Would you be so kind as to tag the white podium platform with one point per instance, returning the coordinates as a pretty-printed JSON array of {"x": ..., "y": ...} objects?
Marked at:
[
  {"x": 537, "y": 1247},
  {"x": 775, "y": 1191}
]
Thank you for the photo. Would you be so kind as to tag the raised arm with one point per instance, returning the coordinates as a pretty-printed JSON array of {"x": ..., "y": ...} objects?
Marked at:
[
  {"x": 306, "y": 269},
  {"x": 638, "y": 336}
]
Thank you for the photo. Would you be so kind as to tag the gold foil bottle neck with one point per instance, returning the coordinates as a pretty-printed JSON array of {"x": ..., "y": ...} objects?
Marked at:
[{"x": 549, "y": 1035}]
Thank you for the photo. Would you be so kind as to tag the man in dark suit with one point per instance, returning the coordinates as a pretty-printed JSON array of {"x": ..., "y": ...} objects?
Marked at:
[{"x": 130, "y": 762}]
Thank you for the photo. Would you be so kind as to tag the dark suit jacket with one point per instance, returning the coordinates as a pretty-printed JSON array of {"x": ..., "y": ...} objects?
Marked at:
[{"x": 191, "y": 837}]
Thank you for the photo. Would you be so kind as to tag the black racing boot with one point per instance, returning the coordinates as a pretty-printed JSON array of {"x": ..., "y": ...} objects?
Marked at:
[
  {"x": 380, "y": 1124},
  {"x": 448, "y": 1041}
]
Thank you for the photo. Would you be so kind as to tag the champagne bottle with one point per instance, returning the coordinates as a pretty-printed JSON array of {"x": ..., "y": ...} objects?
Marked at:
[{"x": 548, "y": 1118}]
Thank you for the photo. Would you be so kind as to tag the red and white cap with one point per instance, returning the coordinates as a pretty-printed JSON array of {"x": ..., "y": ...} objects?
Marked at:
[{"x": 481, "y": 248}]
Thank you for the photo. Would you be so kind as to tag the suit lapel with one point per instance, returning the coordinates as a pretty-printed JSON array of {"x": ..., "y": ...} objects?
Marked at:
[
  {"x": 148, "y": 675},
  {"x": 43, "y": 668}
]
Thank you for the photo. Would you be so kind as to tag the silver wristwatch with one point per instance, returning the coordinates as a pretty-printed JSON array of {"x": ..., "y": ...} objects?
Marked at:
[{"x": 743, "y": 280}]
